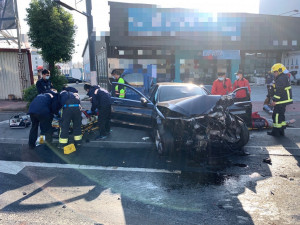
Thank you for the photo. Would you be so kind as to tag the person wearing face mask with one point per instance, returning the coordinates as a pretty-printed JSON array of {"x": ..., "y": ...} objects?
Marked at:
[
  {"x": 44, "y": 85},
  {"x": 241, "y": 82},
  {"x": 222, "y": 85},
  {"x": 119, "y": 89}
]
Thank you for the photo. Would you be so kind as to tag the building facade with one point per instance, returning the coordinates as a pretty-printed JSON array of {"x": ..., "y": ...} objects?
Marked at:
[{"x": 188, "y": 46}]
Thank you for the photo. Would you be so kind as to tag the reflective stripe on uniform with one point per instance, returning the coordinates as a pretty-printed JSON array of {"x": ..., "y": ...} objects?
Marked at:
[
  {"x": 63, "y": 140},
  {"x": 276, "y": 124},
  {"x": 288, "y": 93},
  {"x": 288, "y": 96},
  {"x": 283, "y": 102},
  {"x": 275, "y": 96},
  {"x": 77, "y": 138}
]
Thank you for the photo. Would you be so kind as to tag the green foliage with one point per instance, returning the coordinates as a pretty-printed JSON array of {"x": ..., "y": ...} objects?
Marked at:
[
  {"x": 58, "y": 80},
  {"x": 30, "y": 93},
  {"x": 52, "y": 30}
]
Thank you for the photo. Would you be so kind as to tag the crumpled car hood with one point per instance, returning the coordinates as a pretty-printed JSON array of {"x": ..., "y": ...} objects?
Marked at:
[{"x": 192, "y": 106}]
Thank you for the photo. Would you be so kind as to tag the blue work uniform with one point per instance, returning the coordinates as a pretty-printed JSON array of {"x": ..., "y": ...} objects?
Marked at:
[
  {"x": 43, "y": 86},
  {"x": 70, "y": 104},
  {"x": 101, "y": 100},
  {"x": 41, "y": 112}
]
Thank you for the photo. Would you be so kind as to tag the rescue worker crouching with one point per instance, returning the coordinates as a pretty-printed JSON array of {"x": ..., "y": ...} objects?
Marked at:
[
  {"x": 119, "y": 89},
  {"x": 101, "y": 101},
  {"x": 70, "y": 111},
  {"x": 41, "y": 112},
  {"x": 282, "y": 96}
]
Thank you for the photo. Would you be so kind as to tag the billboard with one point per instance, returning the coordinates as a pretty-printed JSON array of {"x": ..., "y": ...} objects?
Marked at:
[{"x": 7, "y": 15}]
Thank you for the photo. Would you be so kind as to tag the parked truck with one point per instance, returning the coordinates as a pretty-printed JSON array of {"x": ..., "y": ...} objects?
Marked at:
[{"x": 75, "y": 76}]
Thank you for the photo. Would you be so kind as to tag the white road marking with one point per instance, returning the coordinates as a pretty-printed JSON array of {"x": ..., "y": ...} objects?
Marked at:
[
  {"x": 4, "y": 121},
  {"x": 14, "y": 167},
  {"x": 25, "y": 141},
  {"x": 272, "y": 147}
]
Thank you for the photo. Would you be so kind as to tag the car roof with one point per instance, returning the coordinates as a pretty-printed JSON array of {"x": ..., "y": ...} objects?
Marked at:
[{"x": 175, "y": 84}]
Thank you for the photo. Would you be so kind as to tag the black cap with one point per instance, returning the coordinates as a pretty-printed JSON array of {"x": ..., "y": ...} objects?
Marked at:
[
  {"x": 239, "y": 72},
  {"x": 87, "y": 86},
  {"x": 116, "y": 71},
  {"x": 70, "y": 89}
]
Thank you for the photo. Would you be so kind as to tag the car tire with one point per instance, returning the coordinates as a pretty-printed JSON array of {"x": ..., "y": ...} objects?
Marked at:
[
  {"x": 164, "y": 141},
  {"x": 244, "y": 137}
]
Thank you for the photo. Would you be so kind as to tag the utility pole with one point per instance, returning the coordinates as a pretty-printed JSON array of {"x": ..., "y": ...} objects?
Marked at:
[
  {"x": 21, "y": 65},
  {"x": 91, "y": 42},
  {"x": 91, "y": 36}
]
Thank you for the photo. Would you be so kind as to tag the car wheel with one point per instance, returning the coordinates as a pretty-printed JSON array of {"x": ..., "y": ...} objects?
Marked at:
[
  {"x": 164, "y": 141},
  {"x": 77, "y": 82},
  {"x": 244, "y": 137}
]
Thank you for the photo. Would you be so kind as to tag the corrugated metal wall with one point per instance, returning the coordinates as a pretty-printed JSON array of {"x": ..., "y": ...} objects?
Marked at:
[{"x": 9, "y": 75}]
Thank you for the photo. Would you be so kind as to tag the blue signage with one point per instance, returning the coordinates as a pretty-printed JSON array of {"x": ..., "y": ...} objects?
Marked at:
[
  {"x": 221, "y": 54},
  {"x": 164, "y": 22}
]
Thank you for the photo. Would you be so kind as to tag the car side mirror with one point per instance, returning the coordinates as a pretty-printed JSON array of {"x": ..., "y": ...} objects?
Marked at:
[{"x": 144, "y": 101}]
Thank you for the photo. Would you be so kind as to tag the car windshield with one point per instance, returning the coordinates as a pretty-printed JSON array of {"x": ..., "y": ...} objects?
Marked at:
[{"x": 167, "y": 93}]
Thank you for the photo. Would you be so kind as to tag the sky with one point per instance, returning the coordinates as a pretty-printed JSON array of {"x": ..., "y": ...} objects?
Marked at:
[{"x": 100, "y": 12}]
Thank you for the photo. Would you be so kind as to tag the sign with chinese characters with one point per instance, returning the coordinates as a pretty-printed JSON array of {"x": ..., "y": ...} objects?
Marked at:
[{"x": 221, "y": 54}]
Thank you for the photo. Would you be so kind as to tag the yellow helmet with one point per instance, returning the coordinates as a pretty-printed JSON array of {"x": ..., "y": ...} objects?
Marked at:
[{"x": 278, "y": 67}]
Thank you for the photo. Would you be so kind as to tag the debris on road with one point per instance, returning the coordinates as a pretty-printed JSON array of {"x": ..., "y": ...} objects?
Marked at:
[
  {"x": 272, "y": 193},
  {"x": 267, "y": 160},
  {"x": 284, "y": 176},
  {"x": 24, "y": 193},
  {"x": 145, "y": 138}
]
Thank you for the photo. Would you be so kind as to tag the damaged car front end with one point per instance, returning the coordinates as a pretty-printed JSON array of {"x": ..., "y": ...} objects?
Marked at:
[{"x": 199, "y": 124}]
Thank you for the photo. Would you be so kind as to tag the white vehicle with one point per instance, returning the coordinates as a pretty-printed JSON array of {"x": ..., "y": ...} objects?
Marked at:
[{"x": 21, "y": 120}]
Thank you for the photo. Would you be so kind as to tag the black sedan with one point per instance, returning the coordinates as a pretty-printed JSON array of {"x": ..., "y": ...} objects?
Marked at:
[
  {"x": 184, "y": 115},
  {"x": 73, "y": 80}
]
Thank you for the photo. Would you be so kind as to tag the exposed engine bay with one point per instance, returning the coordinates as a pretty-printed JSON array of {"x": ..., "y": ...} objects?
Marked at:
[{"x": 200, "y": 122}]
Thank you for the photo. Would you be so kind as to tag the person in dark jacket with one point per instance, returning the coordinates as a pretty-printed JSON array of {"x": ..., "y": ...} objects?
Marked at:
[
  {"x": 41, "y": 112},
  {"x": 44, "y": 85},
  {"x": 101, "y": 101},
  {"x": 282, "y": 96},
  {"x": 222, "y": 85},
  {"x": 70, "y": 104}
]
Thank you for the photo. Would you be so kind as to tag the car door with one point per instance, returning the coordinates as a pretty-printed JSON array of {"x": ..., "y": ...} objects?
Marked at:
[
  {"x": 242, "y": 109},
  {"x": 135, "y": 109}
]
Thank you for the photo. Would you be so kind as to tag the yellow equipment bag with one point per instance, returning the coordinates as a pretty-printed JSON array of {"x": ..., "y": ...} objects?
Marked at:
[{"x": 69, "y": 149}]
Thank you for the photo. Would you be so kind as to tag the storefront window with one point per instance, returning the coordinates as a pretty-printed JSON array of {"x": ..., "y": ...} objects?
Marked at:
[{"x": 259, "y": 63}]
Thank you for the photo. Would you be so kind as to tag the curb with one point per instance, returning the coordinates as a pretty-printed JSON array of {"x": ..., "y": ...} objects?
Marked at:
[
  {"x": 94, "y": 144},
  {"x": 20, "y": 109}
]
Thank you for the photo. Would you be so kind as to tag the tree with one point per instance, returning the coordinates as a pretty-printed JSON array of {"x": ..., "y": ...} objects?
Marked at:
[{"x": 52, "y": 30}]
